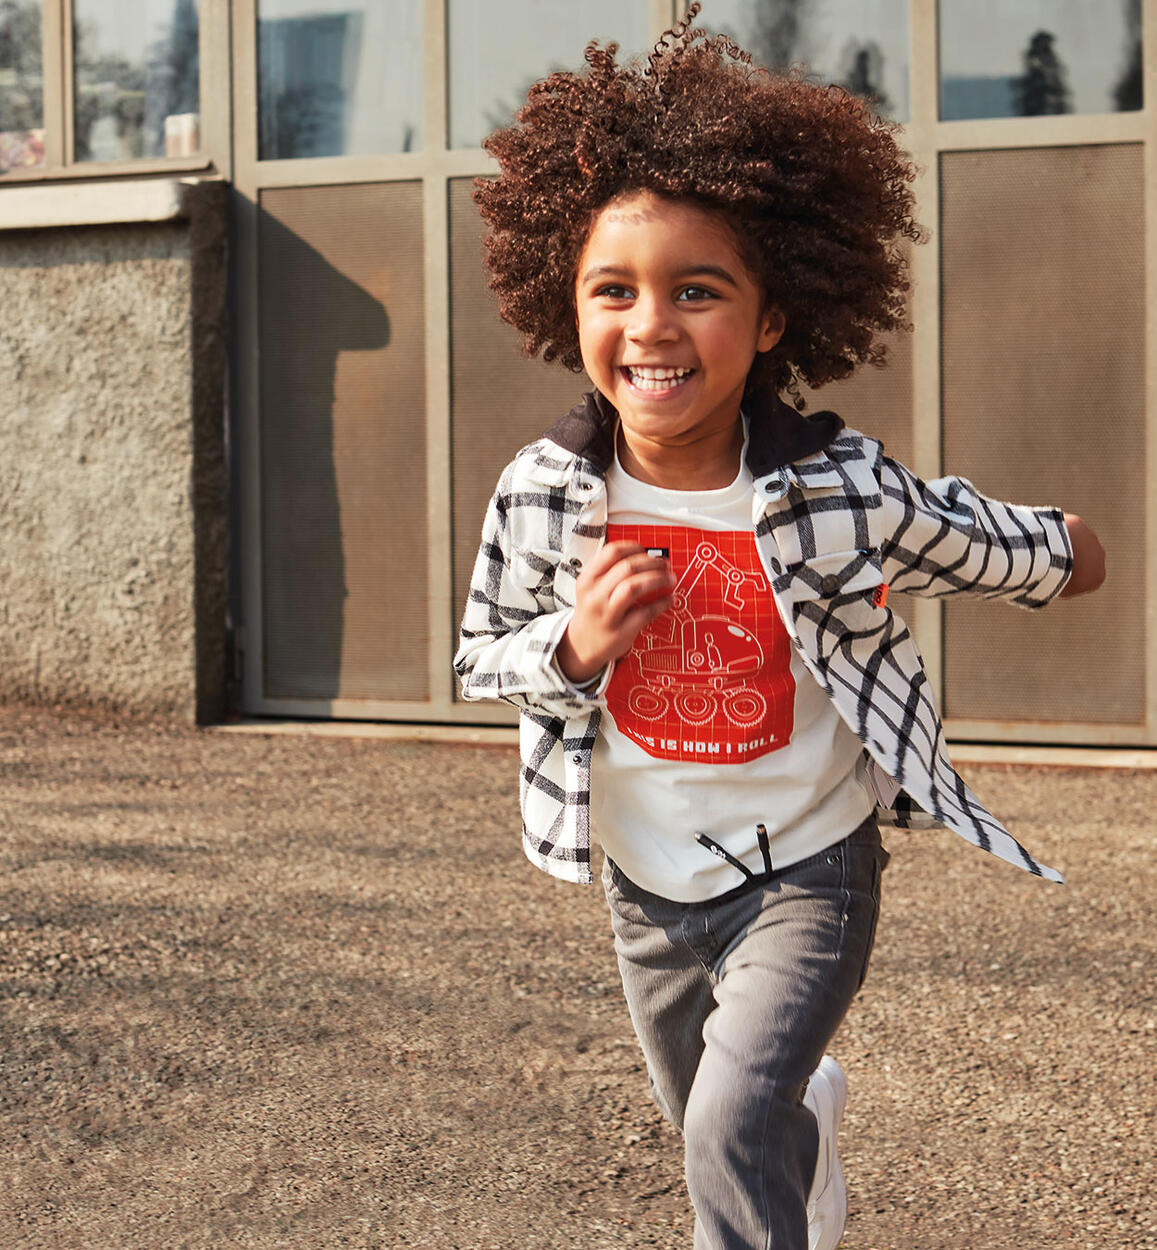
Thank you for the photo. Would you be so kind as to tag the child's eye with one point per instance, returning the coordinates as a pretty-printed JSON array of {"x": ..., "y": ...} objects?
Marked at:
[
  {"x": 695, "y": 294},
  {"x": 613, "y": 292}
]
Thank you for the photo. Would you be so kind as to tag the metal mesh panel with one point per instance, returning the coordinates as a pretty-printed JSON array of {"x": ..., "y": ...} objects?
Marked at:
[
  {"x": 1043, "y": 370},
  {"x": 343, "y": 468},
  {"x": 501, "y": 400}
]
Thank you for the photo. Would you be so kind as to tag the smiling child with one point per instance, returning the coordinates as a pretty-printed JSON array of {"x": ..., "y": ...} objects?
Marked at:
[{"x": 683, "y": 584}]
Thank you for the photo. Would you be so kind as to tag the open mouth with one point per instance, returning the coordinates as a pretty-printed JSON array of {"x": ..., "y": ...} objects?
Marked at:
[{"x": 655, "y": 378}]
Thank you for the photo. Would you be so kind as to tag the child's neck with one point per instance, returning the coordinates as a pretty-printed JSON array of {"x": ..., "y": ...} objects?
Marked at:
[{"x": 708, "y": 463}]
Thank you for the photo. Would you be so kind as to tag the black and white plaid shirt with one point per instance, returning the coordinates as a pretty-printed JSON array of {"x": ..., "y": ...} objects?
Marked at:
[{"x": 835, "y": 520}]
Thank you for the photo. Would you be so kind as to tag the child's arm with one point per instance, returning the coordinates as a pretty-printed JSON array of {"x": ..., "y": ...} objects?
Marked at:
[
  {"x": 943, "y": 538},
  {"x": 518, "y": 644}
]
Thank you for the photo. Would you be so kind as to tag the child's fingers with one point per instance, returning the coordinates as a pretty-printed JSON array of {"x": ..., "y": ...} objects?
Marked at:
[
  {"x": 612, "y": 554},
  {"x": 639, "y": 617},
  {"x": 606, "y": 622},
  {"x": 613, "y": 582},
  {"x": 626, "y": 570},
  {"x": 637, "y": 590},
  {"x": 620, "y": 592},
  {"x": 1088, "y": 558}
]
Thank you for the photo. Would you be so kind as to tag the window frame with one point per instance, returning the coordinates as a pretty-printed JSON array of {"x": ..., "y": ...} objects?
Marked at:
[{"x": 215, "y": 80}]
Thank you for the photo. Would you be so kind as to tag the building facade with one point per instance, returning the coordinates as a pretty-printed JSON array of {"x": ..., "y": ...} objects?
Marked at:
[{"x": 257, "y": 394}]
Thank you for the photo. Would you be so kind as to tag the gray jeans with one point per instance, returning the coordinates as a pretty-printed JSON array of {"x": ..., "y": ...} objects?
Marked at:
[{"x": 734, "y": 1001}]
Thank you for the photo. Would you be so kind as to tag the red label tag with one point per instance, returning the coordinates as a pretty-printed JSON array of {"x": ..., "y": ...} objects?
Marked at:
[{"x": 881, "y": 596}]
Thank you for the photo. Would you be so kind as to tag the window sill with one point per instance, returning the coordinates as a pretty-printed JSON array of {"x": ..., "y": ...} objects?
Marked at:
[{"x": 47, "y": 206}]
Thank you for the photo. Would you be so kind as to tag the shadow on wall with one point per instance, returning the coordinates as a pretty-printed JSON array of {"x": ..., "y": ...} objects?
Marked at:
[{"x": 310, "y": 312}]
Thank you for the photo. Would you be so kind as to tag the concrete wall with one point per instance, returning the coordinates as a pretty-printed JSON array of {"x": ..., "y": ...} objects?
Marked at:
[{"x": 112, "y": 472}]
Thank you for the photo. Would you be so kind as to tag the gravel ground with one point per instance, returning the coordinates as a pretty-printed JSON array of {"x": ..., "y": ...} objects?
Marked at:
[{"x": 275, "y": 991}]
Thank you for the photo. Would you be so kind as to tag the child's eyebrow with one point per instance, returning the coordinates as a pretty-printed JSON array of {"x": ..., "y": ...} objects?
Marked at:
[
  {"x": 690, "y": 271},
  {"x": 709, "y": 271}
]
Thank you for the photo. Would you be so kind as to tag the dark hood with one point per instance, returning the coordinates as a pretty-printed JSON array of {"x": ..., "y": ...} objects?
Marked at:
[{"x": 777, "y": 434}]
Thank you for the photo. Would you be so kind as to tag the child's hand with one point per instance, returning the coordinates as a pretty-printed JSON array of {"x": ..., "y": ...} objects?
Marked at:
[
  {"x": 1088, "y": 558},
  {"x": 617, "y": 595}
]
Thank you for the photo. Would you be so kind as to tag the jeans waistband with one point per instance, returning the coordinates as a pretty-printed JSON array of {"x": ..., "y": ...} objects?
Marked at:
[{"x": 867, "y": 833}]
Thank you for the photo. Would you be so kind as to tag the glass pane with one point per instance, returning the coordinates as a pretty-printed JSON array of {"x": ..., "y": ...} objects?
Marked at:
[
  {"x": 1025, "y": 58},
  {"x": 493, "y": 62},
  {"x": 860, "y": 44},
  {"x": 137, "y": 66},
  {"x": 339, "y": 78},
  {"x": 21, "y": 86}
]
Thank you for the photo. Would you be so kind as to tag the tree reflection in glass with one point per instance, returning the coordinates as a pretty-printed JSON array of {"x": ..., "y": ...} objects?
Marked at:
[
  {"x": 1043, "y": 87},
  {"x": 1128, "y": 94},
  {"x": 860, "y": 44},
  {"x": 21, "y": 86},
  {"x": 1031, "y": 58},
  {"x": 137, "y": 75}
]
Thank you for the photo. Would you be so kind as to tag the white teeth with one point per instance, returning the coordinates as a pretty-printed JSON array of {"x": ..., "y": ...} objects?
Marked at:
[{"x": 652, "y": 378}]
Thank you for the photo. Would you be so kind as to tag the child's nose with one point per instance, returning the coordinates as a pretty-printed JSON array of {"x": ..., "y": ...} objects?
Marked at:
[{"x": 651, "y": 321}]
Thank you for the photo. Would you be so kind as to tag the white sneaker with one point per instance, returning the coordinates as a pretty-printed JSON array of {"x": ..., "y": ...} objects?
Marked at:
[{"x": 827, "y": 1204}]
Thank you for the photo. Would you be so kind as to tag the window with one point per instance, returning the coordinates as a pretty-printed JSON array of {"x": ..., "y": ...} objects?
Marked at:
[
  {"x": 21, "y": 86},
  {"x": 860, "y": 44},
  {"x": 492, "y": 62},
  {"x": 1028, "y": 58},
  {"x": 136, "y": 79},
  {"x": 122, "y": 87},
  {"x": 339, "y": 77}
]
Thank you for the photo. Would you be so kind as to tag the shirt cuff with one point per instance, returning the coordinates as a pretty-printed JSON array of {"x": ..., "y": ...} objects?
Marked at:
[
  {"x": 593, "y": 688},
  {"x": 1061, "y": 563}
]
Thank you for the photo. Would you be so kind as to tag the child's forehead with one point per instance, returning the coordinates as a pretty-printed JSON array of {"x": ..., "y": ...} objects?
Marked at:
[
  {"x": 636, "y": 218},
  {"x": 641, "y": 204}
]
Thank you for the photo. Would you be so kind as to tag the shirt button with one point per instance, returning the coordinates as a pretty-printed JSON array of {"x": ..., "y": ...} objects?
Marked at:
[
  {"x": 576, "y": 565},
  {"x": 576, "y": 758},
  {"x": 829, "y": 585}
]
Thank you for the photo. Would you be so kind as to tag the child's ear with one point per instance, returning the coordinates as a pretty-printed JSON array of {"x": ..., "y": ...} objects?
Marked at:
[{"x": 771, "y": 327}]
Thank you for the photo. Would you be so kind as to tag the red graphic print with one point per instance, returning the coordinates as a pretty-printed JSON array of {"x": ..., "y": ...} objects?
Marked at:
[{"x": 710, "y": 681}]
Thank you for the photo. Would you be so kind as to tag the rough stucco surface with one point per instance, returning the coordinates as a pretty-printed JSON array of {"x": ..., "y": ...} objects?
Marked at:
[{"x": 98, "y": 551}]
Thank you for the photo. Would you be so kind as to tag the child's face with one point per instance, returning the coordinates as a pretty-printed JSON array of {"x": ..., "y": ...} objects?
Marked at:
[{"x": 669, "y": 320}]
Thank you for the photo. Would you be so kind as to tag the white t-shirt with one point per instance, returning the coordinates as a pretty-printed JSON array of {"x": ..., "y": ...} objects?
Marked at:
[{"x": 713, "y": 724}]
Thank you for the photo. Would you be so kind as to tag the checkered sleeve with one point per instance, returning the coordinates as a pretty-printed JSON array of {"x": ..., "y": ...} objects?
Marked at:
[
  {"x": 945, "y": 538},
  {"x": 512, "y": 625}
]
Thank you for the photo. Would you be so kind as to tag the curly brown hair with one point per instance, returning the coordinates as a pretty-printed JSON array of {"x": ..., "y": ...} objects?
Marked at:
[{"x": 813, "y": 186}]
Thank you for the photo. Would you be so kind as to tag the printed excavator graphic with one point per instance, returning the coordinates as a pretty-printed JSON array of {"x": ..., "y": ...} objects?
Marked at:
[
  {"x": 701, "y": 663},
  {"x": 710, "y": 678}
]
